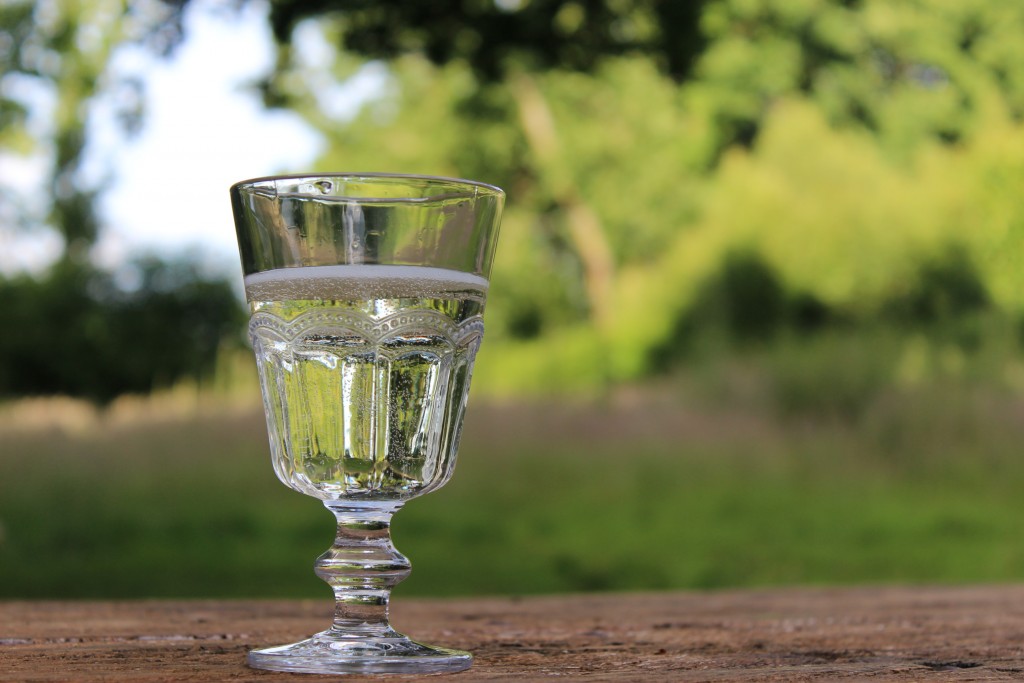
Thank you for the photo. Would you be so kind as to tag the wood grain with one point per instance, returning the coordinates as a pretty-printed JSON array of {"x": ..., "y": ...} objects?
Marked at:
[{"x": 879, "y": 634}]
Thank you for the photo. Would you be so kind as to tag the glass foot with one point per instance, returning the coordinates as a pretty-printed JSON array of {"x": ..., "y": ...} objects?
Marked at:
[{"x": 331, "y": 653}]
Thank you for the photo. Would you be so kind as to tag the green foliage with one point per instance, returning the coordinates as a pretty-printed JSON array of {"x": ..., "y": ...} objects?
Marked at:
[
  {"x": 494, "y": 37},
  {"x": 946, "y": 289},
  {"x": 908, "y": 72},
  {"x": 53, "y": 62},
  {"x": 748, "y": 300},
  {"x": 862, "y": 160},
  {"x": 865, "y": 154},
  {"x": 838, "y": 222},
  {"x": 75, "y": 332}
]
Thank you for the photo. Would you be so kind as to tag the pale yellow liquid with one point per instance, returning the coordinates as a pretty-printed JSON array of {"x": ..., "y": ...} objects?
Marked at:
[{"x": 365, "y": 387}]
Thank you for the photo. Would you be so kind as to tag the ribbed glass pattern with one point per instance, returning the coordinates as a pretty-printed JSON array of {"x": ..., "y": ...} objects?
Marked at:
[{"x": 365, "y": 402}]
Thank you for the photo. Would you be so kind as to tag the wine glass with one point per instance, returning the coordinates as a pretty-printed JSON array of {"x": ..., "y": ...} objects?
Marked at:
[{"x": 367, "y": 294}]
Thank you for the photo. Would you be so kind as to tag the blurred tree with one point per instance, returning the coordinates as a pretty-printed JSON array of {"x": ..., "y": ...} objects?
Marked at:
[
  {"x": 839, "y": 143},
  {"x": 946, "y": 288},
  {"x": 76, "y": 332},
  {"x": 908, "y": 72},
  {"x": 645, "y": 142},
  {"x": 72, "y": 330},
  {"x": 501, "y": 37},
  {"x": 53, "y": 61},
  {"x": 504, "y": 45}
]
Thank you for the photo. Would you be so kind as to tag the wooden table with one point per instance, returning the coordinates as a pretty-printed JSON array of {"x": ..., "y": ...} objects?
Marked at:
[{"x": 884, "y": 634}]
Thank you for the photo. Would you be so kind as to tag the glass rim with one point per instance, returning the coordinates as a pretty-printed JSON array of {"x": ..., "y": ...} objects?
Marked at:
[{"x": 252, "y": 184}]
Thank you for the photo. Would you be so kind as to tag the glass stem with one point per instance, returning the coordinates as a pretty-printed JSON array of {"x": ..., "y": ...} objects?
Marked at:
[{"x": 362, "y": 567}]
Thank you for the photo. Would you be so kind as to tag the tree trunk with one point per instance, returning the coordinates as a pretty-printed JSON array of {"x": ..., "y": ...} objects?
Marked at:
[{"x": 585, "y": 231}]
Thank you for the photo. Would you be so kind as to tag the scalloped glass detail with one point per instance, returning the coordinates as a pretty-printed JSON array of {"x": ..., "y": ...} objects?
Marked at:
[{"x": 365, "y": 400}]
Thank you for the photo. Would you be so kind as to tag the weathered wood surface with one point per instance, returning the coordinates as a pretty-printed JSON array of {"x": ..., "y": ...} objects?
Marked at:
[{"x": 883, "y": 634}]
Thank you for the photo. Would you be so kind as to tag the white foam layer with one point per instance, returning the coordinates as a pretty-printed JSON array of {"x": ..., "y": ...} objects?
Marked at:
[{"x": 351, "y": 282}]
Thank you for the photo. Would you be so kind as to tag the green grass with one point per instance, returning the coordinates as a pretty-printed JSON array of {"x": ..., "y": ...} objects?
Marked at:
[{"x": 923, "y": 486}]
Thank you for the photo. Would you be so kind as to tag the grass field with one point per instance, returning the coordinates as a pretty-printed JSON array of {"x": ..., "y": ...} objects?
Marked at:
[{"x": 644, "y": 491}]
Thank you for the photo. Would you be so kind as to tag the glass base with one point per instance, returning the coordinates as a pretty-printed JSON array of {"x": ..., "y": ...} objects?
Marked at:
[{"x": 332, "y": 653}]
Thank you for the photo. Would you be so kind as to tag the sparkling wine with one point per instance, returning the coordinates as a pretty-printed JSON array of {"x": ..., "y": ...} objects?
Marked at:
[{"x": 365, "y": 373}]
